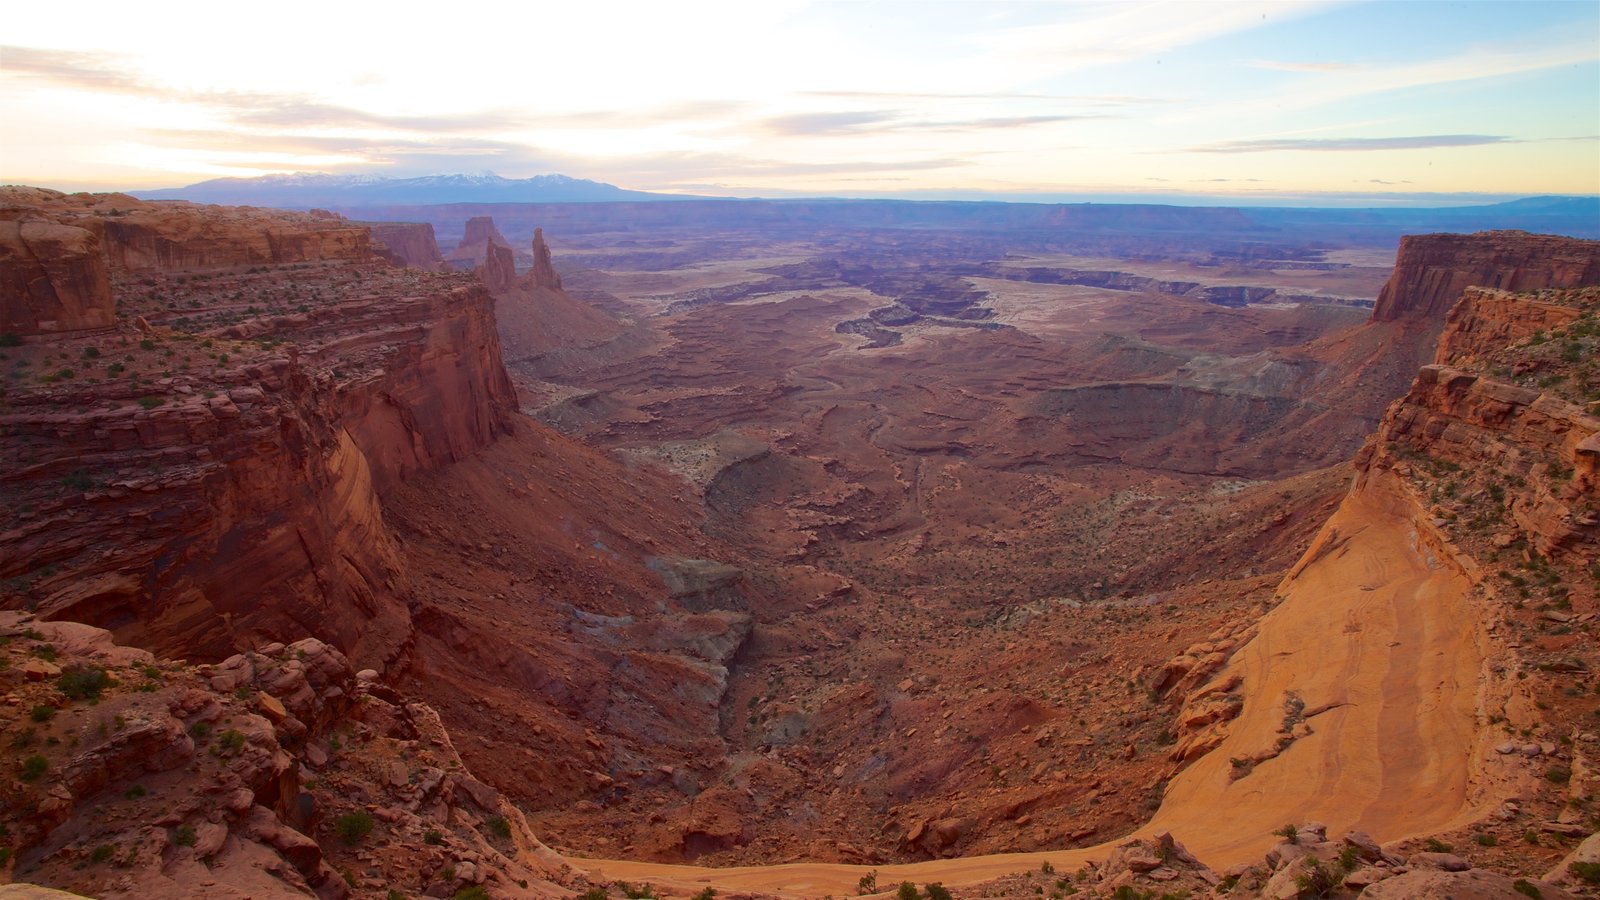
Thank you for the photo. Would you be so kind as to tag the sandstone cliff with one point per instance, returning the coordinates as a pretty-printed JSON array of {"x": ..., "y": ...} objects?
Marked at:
[
  {"x": 52, "y": 278},
  {"x": 480, "y": 235},
  {"x": 1431, "y": 271},
  {"x": 412, "y": 243},
  {"x": 1421, "y": 656},
  {"x": 210, "y": 478}
]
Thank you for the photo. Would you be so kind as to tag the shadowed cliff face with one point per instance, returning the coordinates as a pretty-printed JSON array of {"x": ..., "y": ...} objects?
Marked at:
[{"x": 212, "y": 480}]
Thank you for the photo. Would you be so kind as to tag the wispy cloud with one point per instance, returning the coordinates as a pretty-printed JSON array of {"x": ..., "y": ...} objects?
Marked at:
[
  {"x": 880, "y": 121},
  {"x": 1321, "y": 88},
  {"x": 849, "y": 122},
  {"x": 1286, "y": 66},
  {"x": 1412, "y": 142}
]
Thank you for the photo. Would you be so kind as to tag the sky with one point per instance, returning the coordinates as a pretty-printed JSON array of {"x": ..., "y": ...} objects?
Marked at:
[{"x": 1278, "y": 100}]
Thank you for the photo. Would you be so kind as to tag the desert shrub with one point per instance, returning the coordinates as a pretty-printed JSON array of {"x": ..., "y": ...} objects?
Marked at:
[
  {"x": 34, "y": 767},
  {"x": 594, "y": 893},
  {"x": 473, "y": 892},
  {"x": 706, "y": 894},
  {"x": 432, "y": 837},
  {"x": 868, "y": 883},
  {"x": 937, "y": 891},
  {"x": 353, "y": 826},
  {"x": 1487, "y": 840},
  {"x": 184, "y": 836},
  {"x": 102, "y": 853},
  {"x": 500, "y": 828},
  {"x": 1317, "y": 880},
  {"x": 1587, "y": 872},
  {"x": 1435, "y": 845},
  {"x": 42, "y": 713},
  {"x": 908, "y": 891},
  {"x": 1527, "y": 888}
]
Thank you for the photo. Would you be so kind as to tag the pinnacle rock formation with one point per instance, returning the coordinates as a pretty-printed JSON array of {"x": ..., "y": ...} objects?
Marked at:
[
  {"x": 480, "y": 235},
  {"x": 499, "y": 269},
  {"x": 543, "y": 274}
]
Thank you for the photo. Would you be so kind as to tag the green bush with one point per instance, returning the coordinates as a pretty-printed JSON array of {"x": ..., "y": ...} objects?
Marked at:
[
  {"x": 1587, "y": 872},
  {"x": 908, "y": 891},
  {"x": 232, "y": 741},
  {"x": 33, "y": 767},
  {"x": 84, "y": 682},
  {"x": 42, "y": 713},
  {"x": 937, "y": 891},
  {"x": 184, "y": 836},
  {"x": 705, "y": 894},
  {"x": 432, "y": 837},
  {"x": 1527, "y": 888},
  {"x": 474, "y": 892},
  {"x": 353, "y": 826},
  {"x": 500, "y": 827},
  {"x": 102, "y": 853}
]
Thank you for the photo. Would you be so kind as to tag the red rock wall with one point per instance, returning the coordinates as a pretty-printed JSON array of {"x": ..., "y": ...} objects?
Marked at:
[
  {"x": 1487, "y": 320},
  {"x": 499, "y": 269},
  {"x": 413, "y": 243},
  {"x": 52, "y": 279},
  {"x": 207, "y": 525},
  {"x": 1432, "y": 270},
  {"x": 441, "y": 392}
]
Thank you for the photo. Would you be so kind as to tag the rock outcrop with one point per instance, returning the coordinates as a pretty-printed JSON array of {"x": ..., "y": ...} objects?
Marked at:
[
  {"x": 480, "y": 235},
  {"x": 543, "y": 274},
  {"x": 1432, "y": 270},
  {"x": 1488, "y": 463},
  {"x": 207, "y": 477},
  {"x": 280, "y": 772},
  {"x": 52, "y": 278},
  {"x": 411, "y": 243},
  {"x": 499, "y": 269}
]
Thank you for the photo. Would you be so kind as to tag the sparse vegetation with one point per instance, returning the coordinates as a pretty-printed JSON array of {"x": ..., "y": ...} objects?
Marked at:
[
  {"x": 34, "y": 767},
  {"x": 353, "y": 826}
]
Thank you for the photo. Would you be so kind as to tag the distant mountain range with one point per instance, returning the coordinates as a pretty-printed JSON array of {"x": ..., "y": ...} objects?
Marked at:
[
  {"x": 305, "y": 190},
  {"x": 374, "y": 197}
]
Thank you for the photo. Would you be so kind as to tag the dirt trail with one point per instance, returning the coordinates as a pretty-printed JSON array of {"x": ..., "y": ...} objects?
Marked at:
[{"x": 1378, "y": 638}]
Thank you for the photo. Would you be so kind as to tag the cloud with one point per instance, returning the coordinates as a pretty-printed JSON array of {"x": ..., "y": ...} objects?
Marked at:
[
  {"x": 879, "y": 121},
  {"x": 1415, "y": 142},
  {"x": 1333, "y": 86},
  {"x": 1283, "y": 66},
  {"x": 1093, "y": 99},
  {"x": 826, "y": 122}
]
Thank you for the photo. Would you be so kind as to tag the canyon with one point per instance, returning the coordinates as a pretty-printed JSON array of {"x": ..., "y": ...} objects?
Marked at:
[{"x": 767, "y": 557}]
